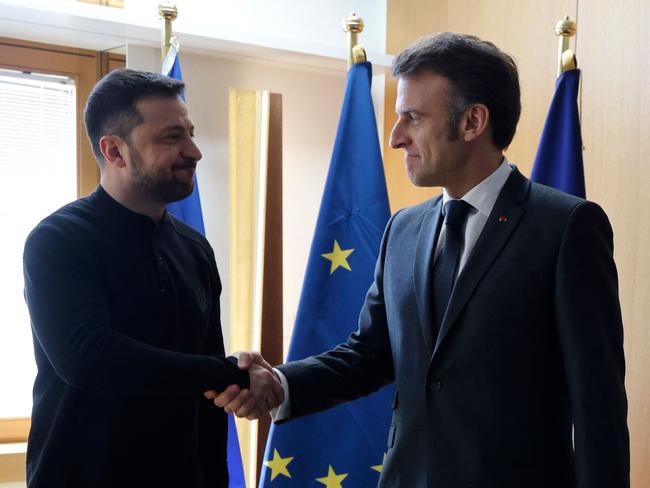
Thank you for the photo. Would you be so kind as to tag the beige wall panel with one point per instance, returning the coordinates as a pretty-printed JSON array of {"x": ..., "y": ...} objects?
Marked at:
[
  {"x": 613, "y": 51},
  {"x": 407, "y": 20},
  {"x": 523, "y": 29}
]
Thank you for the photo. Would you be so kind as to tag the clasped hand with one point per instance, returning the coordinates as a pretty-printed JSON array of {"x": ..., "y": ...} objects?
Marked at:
[{"x": 265, "y": 392}]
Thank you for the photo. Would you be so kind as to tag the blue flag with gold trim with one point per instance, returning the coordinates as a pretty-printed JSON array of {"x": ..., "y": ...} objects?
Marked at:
[
  {"x": 189, "y": 211},
  {"x": 559, "y": 156},
  {"x": 343, "y": 446}
]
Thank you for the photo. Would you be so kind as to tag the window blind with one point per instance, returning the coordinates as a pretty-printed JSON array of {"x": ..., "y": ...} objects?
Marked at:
[{"x": 38, "y": 174}]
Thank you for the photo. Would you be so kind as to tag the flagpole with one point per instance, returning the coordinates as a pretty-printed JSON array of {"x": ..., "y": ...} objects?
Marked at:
[
  {"x": 353, "y": 25},
  {"x": 559, "y": 163},
  {"x": 565, "y": 29},
  {"x": 168, "y": 12}
]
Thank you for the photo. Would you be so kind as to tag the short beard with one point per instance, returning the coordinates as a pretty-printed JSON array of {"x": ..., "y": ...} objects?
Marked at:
[{"x": 151, "y": 184}]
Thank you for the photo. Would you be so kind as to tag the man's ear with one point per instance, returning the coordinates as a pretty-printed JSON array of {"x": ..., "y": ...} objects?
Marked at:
[
  {"x": 475, "y": 122},
  {"x": 113, "y": 149}
]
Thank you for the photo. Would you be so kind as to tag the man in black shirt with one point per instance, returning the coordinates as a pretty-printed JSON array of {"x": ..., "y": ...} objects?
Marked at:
[{"x": 124, "y": 304}]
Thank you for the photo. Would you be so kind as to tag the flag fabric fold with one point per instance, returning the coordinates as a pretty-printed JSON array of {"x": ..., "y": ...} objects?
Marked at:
[
  {"x": 559, "y": 156},
  {"x": 343, "y": 446},
  {"x": 189, "y": 211}
]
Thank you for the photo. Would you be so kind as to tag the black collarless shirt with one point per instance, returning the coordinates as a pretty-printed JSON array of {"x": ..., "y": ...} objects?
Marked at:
[{"x": 127, "y": 336}]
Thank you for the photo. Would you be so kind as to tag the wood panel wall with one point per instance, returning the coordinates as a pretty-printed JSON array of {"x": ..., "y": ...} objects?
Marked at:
[
  {"x": 614, "y": 54},
  {"x": 613, "y": 50}
]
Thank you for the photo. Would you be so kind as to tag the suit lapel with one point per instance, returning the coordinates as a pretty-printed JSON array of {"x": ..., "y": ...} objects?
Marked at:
[
  {"x": 423, "y": 265},
  {"x": 498, "y": 229}
]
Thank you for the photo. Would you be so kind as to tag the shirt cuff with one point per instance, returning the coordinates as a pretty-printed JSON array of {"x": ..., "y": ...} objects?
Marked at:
[{"x": 283, "y": 411}]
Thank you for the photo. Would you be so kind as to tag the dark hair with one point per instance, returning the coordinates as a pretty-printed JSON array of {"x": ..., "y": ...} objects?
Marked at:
[
  {"x": 480, "y": 72},
  {"x": 110, "y": 108}
]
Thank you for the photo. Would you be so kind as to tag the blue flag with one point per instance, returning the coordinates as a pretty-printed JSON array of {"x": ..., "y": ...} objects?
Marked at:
[
  {"x": 347, "y": 442},
  {"x": 559, "y": 156},
  {"x": 189, "y": 211}
]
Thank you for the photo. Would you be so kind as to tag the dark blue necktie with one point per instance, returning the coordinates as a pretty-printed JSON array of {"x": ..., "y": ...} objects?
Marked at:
[{"x": 446, "y": 267}]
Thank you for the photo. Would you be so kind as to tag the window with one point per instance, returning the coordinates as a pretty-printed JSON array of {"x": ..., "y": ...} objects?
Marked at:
[
  {"x": 38, "y": 151},
  {"x": 36, "y": 172}
]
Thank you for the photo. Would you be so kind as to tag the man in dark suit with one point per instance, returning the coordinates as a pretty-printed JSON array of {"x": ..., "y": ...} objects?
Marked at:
[{"x": 494, "y": 307}]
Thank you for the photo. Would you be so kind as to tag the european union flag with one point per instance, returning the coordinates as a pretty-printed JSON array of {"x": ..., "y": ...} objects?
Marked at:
[
  {"x": 559, "y": 156},
  {"x": 347, "y": 443},
  {"x": 189, "y": 211}
]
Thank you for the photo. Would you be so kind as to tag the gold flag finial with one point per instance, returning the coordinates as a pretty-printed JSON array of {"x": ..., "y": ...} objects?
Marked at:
[
  {"x": 565, "y": 29},
  {"x": 353, "y": 25},
  {"x": 168, "y": 13}
]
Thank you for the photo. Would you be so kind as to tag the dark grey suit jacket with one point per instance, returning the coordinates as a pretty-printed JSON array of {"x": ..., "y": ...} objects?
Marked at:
[{"x": 531, "y": 346}]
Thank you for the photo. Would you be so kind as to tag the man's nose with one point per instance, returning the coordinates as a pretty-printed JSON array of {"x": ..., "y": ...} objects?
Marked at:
[
  {"x": 397, "y": 137},
  {"x": 192, "y": 151}
]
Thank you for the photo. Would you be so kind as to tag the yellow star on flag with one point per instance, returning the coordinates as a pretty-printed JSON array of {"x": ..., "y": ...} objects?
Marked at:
[
  {"x": 278, "y": 465},
  {"x": 332, "y": 480},
  {"x": 379, "y": 467},
  {"x": 338, "y": 257}
]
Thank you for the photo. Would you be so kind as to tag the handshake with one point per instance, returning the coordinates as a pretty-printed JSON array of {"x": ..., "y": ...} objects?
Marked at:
[{"x": 265, "y": 392}]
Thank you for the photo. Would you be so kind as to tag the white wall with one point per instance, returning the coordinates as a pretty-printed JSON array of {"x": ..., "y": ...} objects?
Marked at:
[
  {"x": 297, "y": 25},
  {"x": 311, "y": 102},
  {"x": 307, "y": 32}
]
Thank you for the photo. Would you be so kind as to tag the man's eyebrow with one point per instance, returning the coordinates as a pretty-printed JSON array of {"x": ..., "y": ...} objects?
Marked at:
[
  {"x": 172, "y": 127},
  {"x": 407, "y": 110}
]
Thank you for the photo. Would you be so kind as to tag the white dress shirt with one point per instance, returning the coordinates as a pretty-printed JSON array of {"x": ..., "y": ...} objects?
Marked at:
[{"x": 482, "y": 198}]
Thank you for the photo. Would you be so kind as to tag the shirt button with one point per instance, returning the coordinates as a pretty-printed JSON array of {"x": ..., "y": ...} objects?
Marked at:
[
  {"x": 435, "y": 385},
  {"x": 159, "y": 258},
  {"x": 162, "y": 290}
]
